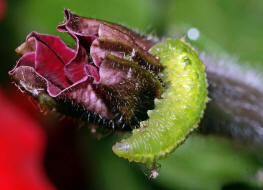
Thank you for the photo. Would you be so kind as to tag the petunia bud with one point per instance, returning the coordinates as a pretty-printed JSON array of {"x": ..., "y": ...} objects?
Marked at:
[{"x": 109, "y": 79}]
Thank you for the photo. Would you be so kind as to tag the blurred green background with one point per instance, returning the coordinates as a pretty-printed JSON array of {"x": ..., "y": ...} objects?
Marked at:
[{"x": 232, "y": 26}]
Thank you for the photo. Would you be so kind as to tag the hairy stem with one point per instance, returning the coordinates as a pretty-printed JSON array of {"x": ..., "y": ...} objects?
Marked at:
[{"x": 236, "y": 106}]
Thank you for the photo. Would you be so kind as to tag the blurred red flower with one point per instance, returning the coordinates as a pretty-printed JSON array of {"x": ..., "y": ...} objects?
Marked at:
[
  {"x": 22, "y": 144},
  {"x": 2, "y": 8}
]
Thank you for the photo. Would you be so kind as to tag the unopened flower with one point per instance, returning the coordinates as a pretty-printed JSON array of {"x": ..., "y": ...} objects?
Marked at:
[{"x": 110, "y": 78}]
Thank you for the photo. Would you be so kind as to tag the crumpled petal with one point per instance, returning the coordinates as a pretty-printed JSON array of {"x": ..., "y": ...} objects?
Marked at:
[
  {"x": 52, "y": 66},
  {"x": 47, "y": 56},
  {"x": 100, "y": 38}
]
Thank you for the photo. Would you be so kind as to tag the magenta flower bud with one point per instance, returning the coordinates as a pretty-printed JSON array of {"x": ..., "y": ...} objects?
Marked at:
[{"x": 109, "y": 79}]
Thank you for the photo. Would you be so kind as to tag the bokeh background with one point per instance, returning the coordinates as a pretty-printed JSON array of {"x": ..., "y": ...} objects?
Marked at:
[{"x": 73, "y": 158}]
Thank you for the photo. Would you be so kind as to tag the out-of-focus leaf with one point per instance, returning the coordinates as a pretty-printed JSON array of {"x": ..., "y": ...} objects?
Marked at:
[
  {"x": 48, "y": 14},
  {"x": 233, "y": 24},
  {"x": 112, "y": 172},
  {"x": 207, "y": 163}
]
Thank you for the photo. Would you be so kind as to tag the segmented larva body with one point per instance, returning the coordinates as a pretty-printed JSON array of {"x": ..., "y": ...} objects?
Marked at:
[{"x": 179, "y": 110}]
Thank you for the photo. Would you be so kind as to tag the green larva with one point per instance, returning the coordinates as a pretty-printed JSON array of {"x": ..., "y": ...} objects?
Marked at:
[{"x": 179, "y": 110}]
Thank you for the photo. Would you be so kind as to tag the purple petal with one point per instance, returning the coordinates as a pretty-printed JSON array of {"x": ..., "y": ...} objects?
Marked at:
[
  {"x": 101, "y": 38},
  {"x": 74, "y": 70},
  {"x": 85, "y": 96},
  {"x": 48, "y": 59},
  {"x": 56, "y": 45},
  {"x": 26, "y": 60},
  {"x": 92, "y": 71},
  {"x": 87, "y": 26}
]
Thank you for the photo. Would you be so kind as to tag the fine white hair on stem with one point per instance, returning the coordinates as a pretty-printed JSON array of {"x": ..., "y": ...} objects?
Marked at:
[
  {"x": 236, "y": 106},
  {"x": 229, "y": 67}
]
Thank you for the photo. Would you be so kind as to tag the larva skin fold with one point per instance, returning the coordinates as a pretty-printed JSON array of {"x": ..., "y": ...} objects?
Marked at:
[{"x": 179, "y": 110}]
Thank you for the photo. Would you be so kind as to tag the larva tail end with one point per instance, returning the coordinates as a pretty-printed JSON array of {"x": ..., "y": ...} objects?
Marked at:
[
  {"x": 121, "y": 149},
  {"x": 124, "y": 149}
]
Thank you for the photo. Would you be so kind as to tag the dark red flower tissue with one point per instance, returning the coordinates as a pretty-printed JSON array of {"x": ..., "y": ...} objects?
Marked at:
[
  {"x": 109, "y": 78},
  {"x": 2, "y": 9}
]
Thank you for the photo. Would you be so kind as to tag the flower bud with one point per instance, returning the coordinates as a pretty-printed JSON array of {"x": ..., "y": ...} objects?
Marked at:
[{"x": 108, "y": 79}]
